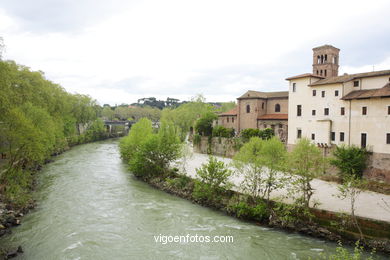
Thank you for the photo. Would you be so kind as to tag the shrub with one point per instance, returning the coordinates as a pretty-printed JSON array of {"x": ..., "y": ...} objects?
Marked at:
[
  {"x": 244, "y": 210},
  {"x": 197, "y": 139},
  {"x": 214, "y": 178},
  {"x": 350, "y": 160},
  {"x": 264, "y": 134},
  {"x": 221, "y": 131}
]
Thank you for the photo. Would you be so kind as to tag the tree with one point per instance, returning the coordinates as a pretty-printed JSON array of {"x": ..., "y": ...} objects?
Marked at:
[
  {"x": 273, "y": 157},
  {"x": 214, "y": 178},
  {"x": 204, "y": 125},
  {"x": 305, "y": 163},
  {"x": 351, "y": 188},
  {"x": 108, "y": 113},
  {"x": 248, "y": 163},
  {"x": 351, "y": 160}
]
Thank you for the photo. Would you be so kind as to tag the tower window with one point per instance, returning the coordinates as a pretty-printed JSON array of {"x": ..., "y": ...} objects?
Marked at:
[
  {"x": 321, "y": 72},
  {"x": 336, "y": 93},
  {"x": 248, "y": 108},
  {"x": 299, "y": 110},
  {"x": 323, "y": 93},
  {"x": 356, "y": 83},
  {"x": 313, "y": 112},
  {"x": 364, "y": 110},
  {"x": 262, "y": 105},
  {"x": 314, "y": 92},
  {"x": 326, "y": 59},
  {"x": 388, "y": 138},
  {"x": 388, "y": 110},
  {"x": 277, "y": 108},
  {"x": 294, "y": 87}
]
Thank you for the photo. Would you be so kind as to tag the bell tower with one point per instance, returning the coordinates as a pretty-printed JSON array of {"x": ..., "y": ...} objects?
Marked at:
[{"x": 326, "y": 61}]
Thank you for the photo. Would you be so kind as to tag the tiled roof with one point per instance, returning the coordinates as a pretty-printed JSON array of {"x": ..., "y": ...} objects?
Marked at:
[
  {"x": 304, "y": 76},
  {"x": 258, "y": 94},
  {"x": 325, "y": 46},
  {"x": 369, "y": 93},
  {"x": 349, "y": 77},
  {"x": 232, "y": 112},
  {"x": 273, "y": 117}
]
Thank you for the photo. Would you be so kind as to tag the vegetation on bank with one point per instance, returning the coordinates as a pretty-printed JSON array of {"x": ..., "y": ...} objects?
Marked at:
[
  {"x": 266, "y": 167},
  {"x": 38, "y": 119}
]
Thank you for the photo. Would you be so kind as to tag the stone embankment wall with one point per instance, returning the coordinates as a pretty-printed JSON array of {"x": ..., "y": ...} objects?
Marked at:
[
  {"x": 217, "y": 146},
  {"x": 378, "y": 163}
]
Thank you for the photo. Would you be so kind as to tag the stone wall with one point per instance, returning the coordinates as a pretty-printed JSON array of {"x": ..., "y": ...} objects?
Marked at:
[{"x": 217, "y": 146}]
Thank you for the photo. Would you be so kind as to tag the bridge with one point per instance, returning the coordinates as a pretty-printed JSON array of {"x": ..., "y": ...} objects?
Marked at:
[{"x": 112, "y": 127}]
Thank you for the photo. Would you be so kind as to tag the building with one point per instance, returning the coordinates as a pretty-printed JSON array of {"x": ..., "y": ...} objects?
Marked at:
[
  {"x": 260, "y": 110},
  {"x": 351, "y": 109}
]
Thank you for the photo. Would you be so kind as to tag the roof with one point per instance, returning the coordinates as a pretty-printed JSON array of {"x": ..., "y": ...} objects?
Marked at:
[
  {"x": 325, "y": 46},
  {"x": 231, "y": 112},
  {"x": 258, "y": 94},
  {"x": 369, "y": 93},
  {"x": 304, "y": 76},
  {"x": 349, "y": 77},
  {"x": 273, "y": 117}
]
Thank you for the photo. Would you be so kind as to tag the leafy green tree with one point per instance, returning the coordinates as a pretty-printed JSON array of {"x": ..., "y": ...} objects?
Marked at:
[
  {"x": 273, "y": 157},
  {"x": 249, "y": 164},
  {"x": 214, "y": 178},
  {"x": 221, "y": 131},
  {"x": 108, "y": 113},
  {"x": 204, "y": 125},
  {"x": 305, "y": 163},
  {"x": 350, "y": 160}
]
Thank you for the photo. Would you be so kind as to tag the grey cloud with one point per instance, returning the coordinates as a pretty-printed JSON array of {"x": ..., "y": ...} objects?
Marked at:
[{"x": 61, "y": 15}]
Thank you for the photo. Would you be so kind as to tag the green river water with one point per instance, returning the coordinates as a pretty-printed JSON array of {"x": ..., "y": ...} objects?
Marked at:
[{"x": 91, "y": 207}]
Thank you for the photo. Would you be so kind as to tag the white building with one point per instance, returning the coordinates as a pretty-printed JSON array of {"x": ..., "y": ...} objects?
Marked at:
[{"x": 352, "y": 109}]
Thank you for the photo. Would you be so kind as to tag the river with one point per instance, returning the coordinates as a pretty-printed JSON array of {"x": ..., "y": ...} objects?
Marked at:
[{"x": 91, "y": 207}]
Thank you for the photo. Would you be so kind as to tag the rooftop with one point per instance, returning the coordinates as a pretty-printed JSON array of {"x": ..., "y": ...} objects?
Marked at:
[
  {"x": 369, "y": 93},
  {"x": 231, "y": 112},
  {"x": 305, "y": 75},
  {"x": 349, "y": 77},
  {"x": 273, "y": 117},
  {"x": 258, "y": 94},
  {"x": 325, "y": 46}
]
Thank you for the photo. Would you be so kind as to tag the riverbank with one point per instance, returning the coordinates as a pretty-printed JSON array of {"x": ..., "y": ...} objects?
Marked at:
[
  {"x": 321, "y": 224},
  {"x": 11, "y": 213}
]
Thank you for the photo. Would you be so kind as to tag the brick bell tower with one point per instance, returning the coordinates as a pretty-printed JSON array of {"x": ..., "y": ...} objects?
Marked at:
[{"x": 326, "y": 61}]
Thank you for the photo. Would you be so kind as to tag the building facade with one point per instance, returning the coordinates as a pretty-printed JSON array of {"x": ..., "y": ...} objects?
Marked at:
[
  {"x": 260, "y": 110},
  {"x": 352, "y": 109}
]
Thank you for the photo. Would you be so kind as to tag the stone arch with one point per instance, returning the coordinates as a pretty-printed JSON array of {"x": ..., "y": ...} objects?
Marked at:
[
  {"x": 248, "y": 108},
  {"x": 277, "y": 108}
]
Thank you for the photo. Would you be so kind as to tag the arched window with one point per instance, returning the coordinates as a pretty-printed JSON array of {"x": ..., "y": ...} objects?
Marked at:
[
  {"x": 262, "y": 104},
  {"x": 248, "y": 108},
  {"x": 326, "y": 57},
  {"x": 322, "y": 59},
  {"x": 325, "y": 72},
  {"x": 277, "y": 108},
  {"x": 318, "y": 59}
]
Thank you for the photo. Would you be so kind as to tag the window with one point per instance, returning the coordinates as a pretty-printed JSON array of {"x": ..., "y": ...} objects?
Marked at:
[
  {"x": 325, "y": 72},
  {"x": 364, "y": 110},
  {"x": 299, "y": 110},
  {"x": 262, "y": 105},
  {"x": 326, "y": 111},
  {"x": 299, "y": 133},
  {"x": 363, "y": 140},
  {"x": 265, "y": 126},
  {"x": 333, "y": 136},
  {"x": 277, "y": 108},
  {"x": 227, "y": 119},
  {"x": 280, "y": 126},
  {"x": 342, "y": 111},
  {"x": 388, "y": 110},
  {"x": 356, "y": 83},
  {"x": 232, "y": 119},
  {"x": 341, "y": 136},
  {"x": 313, "y": 136},
  {"x": 336, "y": 93},
  {"x": 294, "y": 87},
  {"x": 313, "y": 112},
  {"x": 388, "y": 138},
  {"x": 248, "y": 108},
  {"x": 322, "y": 93},
  {"x": 314, "y": 92}
]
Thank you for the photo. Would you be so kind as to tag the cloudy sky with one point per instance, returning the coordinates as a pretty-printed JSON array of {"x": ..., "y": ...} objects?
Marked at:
[{"x": 120, "y": 50}]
